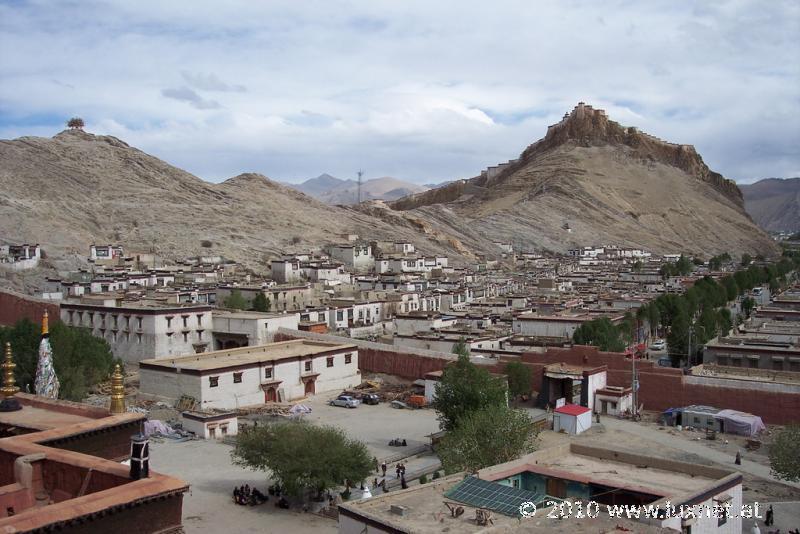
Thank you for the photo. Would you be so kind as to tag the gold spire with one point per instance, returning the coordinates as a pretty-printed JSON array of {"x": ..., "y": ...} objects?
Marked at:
[
  {"x": 45, "y": 325},
  {"x": 117, "y": 391},
  {"x": 9, "y": 387}
]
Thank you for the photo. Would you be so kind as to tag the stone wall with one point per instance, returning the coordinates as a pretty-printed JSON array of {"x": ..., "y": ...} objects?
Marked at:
[
  {"x": 664, "y": 387},
  {"x": 15, "y": 306}
]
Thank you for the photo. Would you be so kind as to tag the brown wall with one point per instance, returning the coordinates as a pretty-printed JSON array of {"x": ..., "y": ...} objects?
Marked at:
[
  {"x": 14, "y": 306},
  {"x": 111, "y": 443},
  {"x": 664, "y": 387},
  {"x": 156, "y": 516}
]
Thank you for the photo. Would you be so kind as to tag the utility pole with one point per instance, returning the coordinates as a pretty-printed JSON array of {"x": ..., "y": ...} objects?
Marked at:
[{"x": 360, "y": 174}]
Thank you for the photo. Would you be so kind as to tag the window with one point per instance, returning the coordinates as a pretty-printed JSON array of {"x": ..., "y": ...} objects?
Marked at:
[
  {"x": 223, "y": 429},
  {"x": 185, "y": 337},
  {"x": 169, "y": 322},
  {"x": 237, "y": 378},
  {"x": 139, "y": 338},
  {"x": 213, "y": 381},
  {"x": 199, "y": 319},
  {"x": 348, "y": 358},
  {"x": 330, "y": 361},
  {"x": 185, "y": 321},
  {"x": 308, "y": 365},
  {"x": 212, "y": 432},
  {"x": 697, "y": 420},
  {"x": 139, "y": 323},
  {"x": 268, "y": 373},
  {"x": 515, "y": 482}
]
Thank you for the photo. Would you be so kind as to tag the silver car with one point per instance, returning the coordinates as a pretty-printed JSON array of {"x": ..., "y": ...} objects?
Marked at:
[{"x": 345, "y": 401}]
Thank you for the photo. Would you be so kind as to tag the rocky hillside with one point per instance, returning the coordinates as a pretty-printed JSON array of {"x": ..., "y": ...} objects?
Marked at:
[
  {"x": 77, "y": 188},
  {"x": 774, "y": 203},
  {"x": 591, "y": 180}
]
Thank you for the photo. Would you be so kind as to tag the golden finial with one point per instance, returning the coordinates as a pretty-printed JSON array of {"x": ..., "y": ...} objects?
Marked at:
[
  {"x": 9, "y": 387},
  {"x": 45, "y": 325},
  {"x": 117, "y": 391}
]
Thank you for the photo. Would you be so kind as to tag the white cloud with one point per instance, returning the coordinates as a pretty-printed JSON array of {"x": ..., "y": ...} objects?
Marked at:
[{"x": 419, "y": 90}]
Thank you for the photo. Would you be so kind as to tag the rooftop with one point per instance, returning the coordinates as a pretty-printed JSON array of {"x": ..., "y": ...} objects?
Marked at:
[{"x": 206, "y": 361}]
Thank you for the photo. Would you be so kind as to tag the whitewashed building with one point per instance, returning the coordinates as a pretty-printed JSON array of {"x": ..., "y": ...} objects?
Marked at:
[{"x": 228, "y": 379}]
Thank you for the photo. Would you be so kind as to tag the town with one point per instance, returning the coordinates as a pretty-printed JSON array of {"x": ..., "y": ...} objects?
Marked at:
[{"x": 618, "y": 359}]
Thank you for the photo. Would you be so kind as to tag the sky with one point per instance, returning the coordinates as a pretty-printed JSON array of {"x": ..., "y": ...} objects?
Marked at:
[{"x": 418, "y": 90}]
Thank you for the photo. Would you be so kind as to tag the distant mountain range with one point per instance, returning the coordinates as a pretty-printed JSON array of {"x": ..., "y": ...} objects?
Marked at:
[
  {"x": 332, "y": 190},
  {"x": 774, "y": 203}
]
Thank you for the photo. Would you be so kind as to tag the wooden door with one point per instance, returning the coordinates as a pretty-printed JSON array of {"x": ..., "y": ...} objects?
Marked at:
[
  {"x": 309, "y": 387},
  {"x": 557, "y": 487},
  {"x": 270, "y": 395}
]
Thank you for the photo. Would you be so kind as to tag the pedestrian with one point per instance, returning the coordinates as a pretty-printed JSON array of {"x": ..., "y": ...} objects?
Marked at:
[
  {"x": 403, "y": 484},
  {"x": 738, "y": 460},
  {"x": 403, "y": 470},
  {"x": 770, "y": 517},
  {"x": 397, "y": 470},
  {"x": 383, "y": 468},
  {"x": 375, "y": 463}
]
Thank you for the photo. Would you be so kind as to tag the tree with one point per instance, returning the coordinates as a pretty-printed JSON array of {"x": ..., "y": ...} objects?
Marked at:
[
  {"x": 601, "y": 333},
  {"x": 748, "y": 303},
  {"x": 466, "y": 388},
  {"x": 520, "y": 381},
  {"x": 637, "y": 266},
  {"x": 461, "y": 348},
  {"x": 75, "y": 123},
  {"x": 489, "y": 436},
  {"x": 235, "y": 300},
  {"x": 302, "y": 456},
  {"x": 261, "y": 303},
  {"x": 784, "y": 454},
  {"x": 747, "y": 259},
  {"x": 678, "y": 338},
  {"x": 81, "y": 360}
]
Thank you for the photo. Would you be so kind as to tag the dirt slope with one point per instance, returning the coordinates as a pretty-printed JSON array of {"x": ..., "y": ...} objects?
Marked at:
[{"x": 774, "y": 203}]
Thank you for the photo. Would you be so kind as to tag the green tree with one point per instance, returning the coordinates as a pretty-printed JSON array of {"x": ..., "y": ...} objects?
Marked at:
[
  {"x": 489, "y": 436},
  {"x": 601, "y": 333},
  {"x": 747, "y": 259},
  {"x": 235, "y": 300},
  {"x": 520, "y": 379},
  {"x": 678, "y": 338},
  {"x": 637, "y": 266},
  {"x": 748, "y": 303},
  {"x": 784, "y": 454},
  {"x": 81, "y": 360},
  {"x": 466, "y": 388},
  {"x": 461, "y": 348},
  {"x": 261, "y": 303},
  {"x": 302, "y": 456},
  {"x": 75, "y": 123}
]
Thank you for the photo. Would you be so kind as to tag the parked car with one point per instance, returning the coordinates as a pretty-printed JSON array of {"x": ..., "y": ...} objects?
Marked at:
[
  {"x": 658, "y": 344},
  {"x": 665, "y": 361},
  {"x": 345, "y": 401},
  {"x": 370, "y": 398}
]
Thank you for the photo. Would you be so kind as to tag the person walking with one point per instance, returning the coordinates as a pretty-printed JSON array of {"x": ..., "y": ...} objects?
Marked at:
[
  {"x": 397, "y": 470},
  {"x": 769, "y": 520},
  {"x": 738, "y": 460},
  {"x": 403, "y": 470},
  {"x": 375, "y": 463},
  {"x": 383, "y": 468}
]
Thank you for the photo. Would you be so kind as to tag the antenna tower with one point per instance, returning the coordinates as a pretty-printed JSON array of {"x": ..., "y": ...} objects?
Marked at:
[{"x": 360, "y": 174}]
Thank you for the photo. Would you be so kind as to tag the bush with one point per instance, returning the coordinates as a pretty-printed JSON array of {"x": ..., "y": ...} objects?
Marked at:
[
  {"x": 423, "y": 479},
  {"x": 436, "y": 474}
]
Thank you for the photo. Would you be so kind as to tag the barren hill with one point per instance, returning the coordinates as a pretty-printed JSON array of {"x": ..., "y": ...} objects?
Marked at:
[
  {"x": 591, "y": 180},
  {"x": 774, "y": 203},
  {"x": 77, "y": 188}
]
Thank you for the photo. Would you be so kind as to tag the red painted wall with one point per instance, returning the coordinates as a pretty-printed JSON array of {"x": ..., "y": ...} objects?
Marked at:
[
  {"x": 664, "y": 387},
  {"x": 14, "y": 306}
]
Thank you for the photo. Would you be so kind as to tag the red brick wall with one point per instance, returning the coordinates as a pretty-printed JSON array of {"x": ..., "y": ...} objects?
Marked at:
[
  {"x": 14, "y": 307},
  {"x": 664, "y": 387}
]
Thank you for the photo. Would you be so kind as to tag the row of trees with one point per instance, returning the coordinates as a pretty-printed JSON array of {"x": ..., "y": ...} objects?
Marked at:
[
  {"x": 472, "y": 407},
  {"x": 694, "y": 317},
  {"x": 237, "y": 301},
  {"x": 81, "y": 360}
]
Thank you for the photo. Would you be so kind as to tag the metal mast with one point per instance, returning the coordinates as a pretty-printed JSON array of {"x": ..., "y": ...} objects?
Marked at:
[{"x": 360, "y": 174}]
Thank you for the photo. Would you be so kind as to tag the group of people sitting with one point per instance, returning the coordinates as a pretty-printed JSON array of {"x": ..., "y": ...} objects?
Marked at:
[{"x": 245, "y": 496}]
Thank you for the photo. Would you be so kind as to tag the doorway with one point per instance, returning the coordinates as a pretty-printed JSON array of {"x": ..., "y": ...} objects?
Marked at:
[
  {"x": 557, "y": 487},
  {"x": 310, "y": 388},
  {"x": 270, "y": 395}
]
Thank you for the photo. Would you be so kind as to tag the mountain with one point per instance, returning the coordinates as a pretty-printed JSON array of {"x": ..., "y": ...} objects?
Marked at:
[
  {"x": 321, "y": 184},
  {"x": 336, "y": 191},
  {"x": 592, "y": 181},
  {"x": 76, "y": 189},
  {"x": 774, "y": 203}
]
